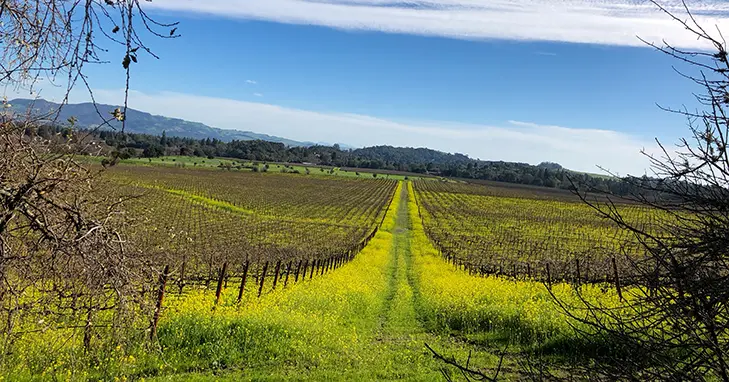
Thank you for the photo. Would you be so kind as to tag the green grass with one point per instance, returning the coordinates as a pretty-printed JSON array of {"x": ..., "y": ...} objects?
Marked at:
[
  {"x": 181, "y": 161},
  {"x": 205, "y": 163}
]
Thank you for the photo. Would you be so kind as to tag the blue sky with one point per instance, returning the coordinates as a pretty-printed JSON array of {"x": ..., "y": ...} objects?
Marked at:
[{"x": 530, "y": 81}]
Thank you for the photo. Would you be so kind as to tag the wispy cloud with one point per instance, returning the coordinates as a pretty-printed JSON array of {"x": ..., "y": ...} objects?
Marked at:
[
  {"x": 258, "y": 94},
  {"x": 609, "y": 22},
  {"x": 579, "y": 149},
  {"x": 251, "y": 82}
]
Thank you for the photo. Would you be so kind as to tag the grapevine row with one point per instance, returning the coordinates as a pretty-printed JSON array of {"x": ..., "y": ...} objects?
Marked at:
[
  {"x": 256, "y": 226},
  {"x": 489, "y": 233}
]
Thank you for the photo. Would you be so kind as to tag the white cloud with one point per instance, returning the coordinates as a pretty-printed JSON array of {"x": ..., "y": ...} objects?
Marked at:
[
  {"x": 610, "y": 22},
  {"x": 578, "y": 149},
  {"x": 251, "y": 82},
  {"x": 258, "y": 94}
]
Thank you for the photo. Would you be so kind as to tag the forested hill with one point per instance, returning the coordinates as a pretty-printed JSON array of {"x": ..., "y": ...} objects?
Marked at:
[
  {"x": 409, "y": 155},
  {"x": 416, "y": 160},
  {"x": 89, "y": 116}
]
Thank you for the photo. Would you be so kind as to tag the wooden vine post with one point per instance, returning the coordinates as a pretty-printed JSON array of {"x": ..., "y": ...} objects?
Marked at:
[
  {"x": 288, "y": 272},
  {"x": 303, "y": 274},
  {"x": 549, "y": 275},
  {"x": 243, "y": 282},
  {"x": 221, "y": 277},
  {"x": 617, "y": 279},
  {"x": 160, "y": 298},
  {"x": 263, "y": 278},
  {"x": 275, "y": 274}
]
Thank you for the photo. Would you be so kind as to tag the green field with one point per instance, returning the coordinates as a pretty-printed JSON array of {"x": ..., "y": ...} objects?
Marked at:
[
  {"x": 293, "y": 168},
  {"x": 351, "y": 286}
]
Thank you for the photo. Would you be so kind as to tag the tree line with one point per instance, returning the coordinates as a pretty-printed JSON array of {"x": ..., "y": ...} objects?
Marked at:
[{"x": 415, "y": 160}]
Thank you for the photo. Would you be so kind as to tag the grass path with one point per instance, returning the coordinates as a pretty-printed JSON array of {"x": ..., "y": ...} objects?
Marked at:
[
  {"x": 359, "y": 322},
  {"x": 402, "y": 330}
]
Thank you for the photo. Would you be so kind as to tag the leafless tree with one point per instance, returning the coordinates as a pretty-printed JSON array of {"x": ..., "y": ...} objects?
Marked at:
[
  {"x": 63, "y": 254},
  {"x": 54, "y": 41},
  {"x": 673, "y": 324},
  {"x": 65, "y": 262}
]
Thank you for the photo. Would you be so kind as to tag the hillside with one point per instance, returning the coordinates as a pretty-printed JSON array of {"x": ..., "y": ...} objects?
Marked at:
[{"x": 143, "y": 123}]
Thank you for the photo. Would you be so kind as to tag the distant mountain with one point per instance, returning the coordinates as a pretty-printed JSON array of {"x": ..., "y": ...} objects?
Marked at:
[{"x": 140, "y": 122}]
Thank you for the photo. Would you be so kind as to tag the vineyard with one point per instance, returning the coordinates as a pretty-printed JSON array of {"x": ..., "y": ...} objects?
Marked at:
[
  {"x": 207, "y": 225},
  {"x": 487, "y": 232},
  {"x": 273, "y": 275}
]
